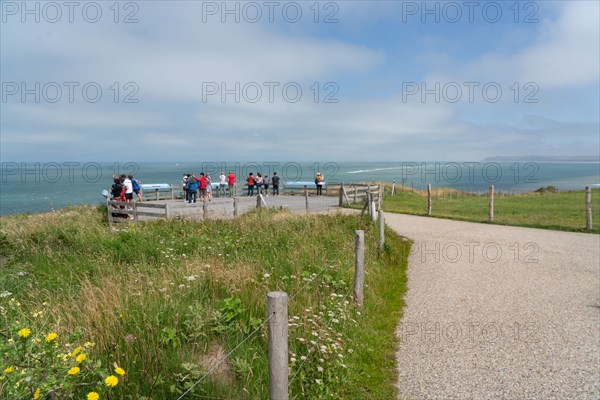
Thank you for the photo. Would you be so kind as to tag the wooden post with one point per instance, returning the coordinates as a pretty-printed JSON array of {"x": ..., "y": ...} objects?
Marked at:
[
  {"x": 172, "y": 194},
  {"x": 359, "y": 267},
  {"x": 341, "y": 199},
  {"x": 204, "y": 208},
  {"x": 167, "y": 211},
  {"x": 429, "y": 199},
  {"x": 355, "y": 194},
  {"x": 258, "y": 202},
  {"x": 157, "y": 195},
  {"x": 108, "y": 206},
  {"x": 235, "y": 207},
  {"x": 381, "y": 230},
  {"x": 326, "y": 189},
  {"x": 306, "y": 198},
  {"x": 277, "y": 311},
  {"x": 305, "y": 190},
  {"x": 369, "y": 203},
  {"x": 393, "y": 188},
  {"x": 491, "y": 210},
  {"x": 373, "y": 210},
  {"x": 588, "y": 207}
]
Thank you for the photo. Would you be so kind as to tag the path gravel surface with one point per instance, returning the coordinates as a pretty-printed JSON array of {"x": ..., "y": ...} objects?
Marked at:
[{"x": 498, "y": 312}]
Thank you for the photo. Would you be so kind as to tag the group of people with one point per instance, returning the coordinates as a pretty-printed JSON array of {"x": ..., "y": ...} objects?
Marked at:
[
  {"x": 124, "y": 187},
  {"x": 262, "y": 182},
  {"x": 201, "y": 186}
]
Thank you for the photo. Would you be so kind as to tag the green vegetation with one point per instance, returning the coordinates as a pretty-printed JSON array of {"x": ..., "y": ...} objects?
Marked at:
[
  {"x": 543, "y": 208},
  {"x": 157, "y": 304}
]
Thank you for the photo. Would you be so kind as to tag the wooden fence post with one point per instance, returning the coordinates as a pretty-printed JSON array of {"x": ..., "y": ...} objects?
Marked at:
[
  {"x": 167, "y": 211},
  {"x": 204, "y": 208},
  {"x": 277, "y": 311},
  {"x": 157, "y": 194},
  {"x": 393, "y": 188},
  {"x": 235, "y": 207},
  {"x": 341, "y": 199},
  {"x": 429, "y": 199},
  {"x": 588, "y": 207},
  {"x": 108, "y": 207},
  {"x": 381, "y": 230},
  {"x": 491, "y": 209},
  {"x": 359, "y": 267},
  {"x": 306, "y": 198},
  {"x": 258, "y": 203}
]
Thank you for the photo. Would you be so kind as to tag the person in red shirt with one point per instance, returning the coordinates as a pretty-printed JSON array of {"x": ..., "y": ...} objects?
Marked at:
[
  {"x": 203, "y": 183},
  {"x": 250, "y": 182},
  {"x": 230, "y": 182}
]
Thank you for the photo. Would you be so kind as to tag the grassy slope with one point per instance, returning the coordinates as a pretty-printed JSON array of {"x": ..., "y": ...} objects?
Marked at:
[
  {"x": 126, "y": 290},
  {"x": 561, "y": 211}
]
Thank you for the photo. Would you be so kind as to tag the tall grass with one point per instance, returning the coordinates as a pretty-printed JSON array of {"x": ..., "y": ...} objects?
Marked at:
[{"x": 167, "y": 299}]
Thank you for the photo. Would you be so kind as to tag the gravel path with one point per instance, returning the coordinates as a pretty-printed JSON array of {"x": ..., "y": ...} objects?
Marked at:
[{"x": 498, "y": 312}]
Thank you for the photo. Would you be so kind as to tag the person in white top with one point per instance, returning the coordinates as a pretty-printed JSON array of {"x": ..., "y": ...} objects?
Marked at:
[
  {"x": 222, "y": 184},
  {"x": 128, "y": 188}
]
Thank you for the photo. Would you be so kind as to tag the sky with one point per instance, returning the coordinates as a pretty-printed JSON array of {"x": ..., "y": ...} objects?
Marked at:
[{"x": 268, "y": 80}]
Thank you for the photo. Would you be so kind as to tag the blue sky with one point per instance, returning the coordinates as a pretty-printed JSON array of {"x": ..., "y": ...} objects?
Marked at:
[{"x": 375, "y": 58}]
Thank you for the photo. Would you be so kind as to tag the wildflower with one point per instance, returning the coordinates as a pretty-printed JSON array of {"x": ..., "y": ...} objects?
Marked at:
[
  {"x": 5, "y": 294},
  {"x": 111, "y": 381},
  {"x": 319, "y": 368},
  {"x": 36, "y": 395},
  {"x": 76, "y": 351},
  {"x": 120, "y": 371},
  {"x": 303, "y": 358},
  {"x": 73, "y": 371},
  {"x": 293, "y": 360},
  {"x": 80, "y": 358},
  {"x": 350, "y": 351},
  {"x": 24, "y": 333},
  {"x": 318, "y": 381},
  {"x": 51, "y": 337},
  {"x": 8, "y": 370},
  {"x": 266, "y": 276},
  {"x": 93, "y": 396}
]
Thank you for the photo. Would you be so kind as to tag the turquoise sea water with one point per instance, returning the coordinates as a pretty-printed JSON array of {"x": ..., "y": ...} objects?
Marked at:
[{"x": 38, "y": 187}]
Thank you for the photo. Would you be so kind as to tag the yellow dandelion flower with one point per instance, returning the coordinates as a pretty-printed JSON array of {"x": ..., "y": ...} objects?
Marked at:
[
  {"x": 80, "y": 358},
  {"x": 24, "y": 333},
  {"x": 36, "y": 395},
  {"x": 73, "y": 371},
  {"x": 120, "y": 371},
  {"x": 76, "y": 351},
  {"x": 93, "y": 396},
  {"x": 111, "y": 381},
  {"x": 8, "y": 370},
  {"x": 51, "y": 337}
]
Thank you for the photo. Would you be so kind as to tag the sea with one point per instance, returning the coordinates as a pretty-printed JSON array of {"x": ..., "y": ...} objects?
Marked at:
[{"x": 34, "y": 187}]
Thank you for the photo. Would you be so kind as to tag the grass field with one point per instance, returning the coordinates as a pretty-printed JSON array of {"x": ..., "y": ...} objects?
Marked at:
[
  {"x": 155, "y": 305},
  {"x": 560, "y": 211}
]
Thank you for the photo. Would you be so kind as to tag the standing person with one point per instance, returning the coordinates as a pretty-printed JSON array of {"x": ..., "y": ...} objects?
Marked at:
[
  {"x": 231, "y": 183},
  {"x": 250, "y": 182},
  {"x": 259, "y": 183},
  {"x": 222, "y": 183},
  {"x": 118, "y": 194},
  {"x": 192, "y": 188},
  {"x": 202, "y": 182},
  {"x": 265, "y": 181},
  {"x": 208, "y": 187},
  {"x": 319, "y": 183},
  {"x": 275, "y": 181},
  {"x": 136, "y": 188},
  {"x": 128, "y": 187},
  {"x": 184, "y": 185}
]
